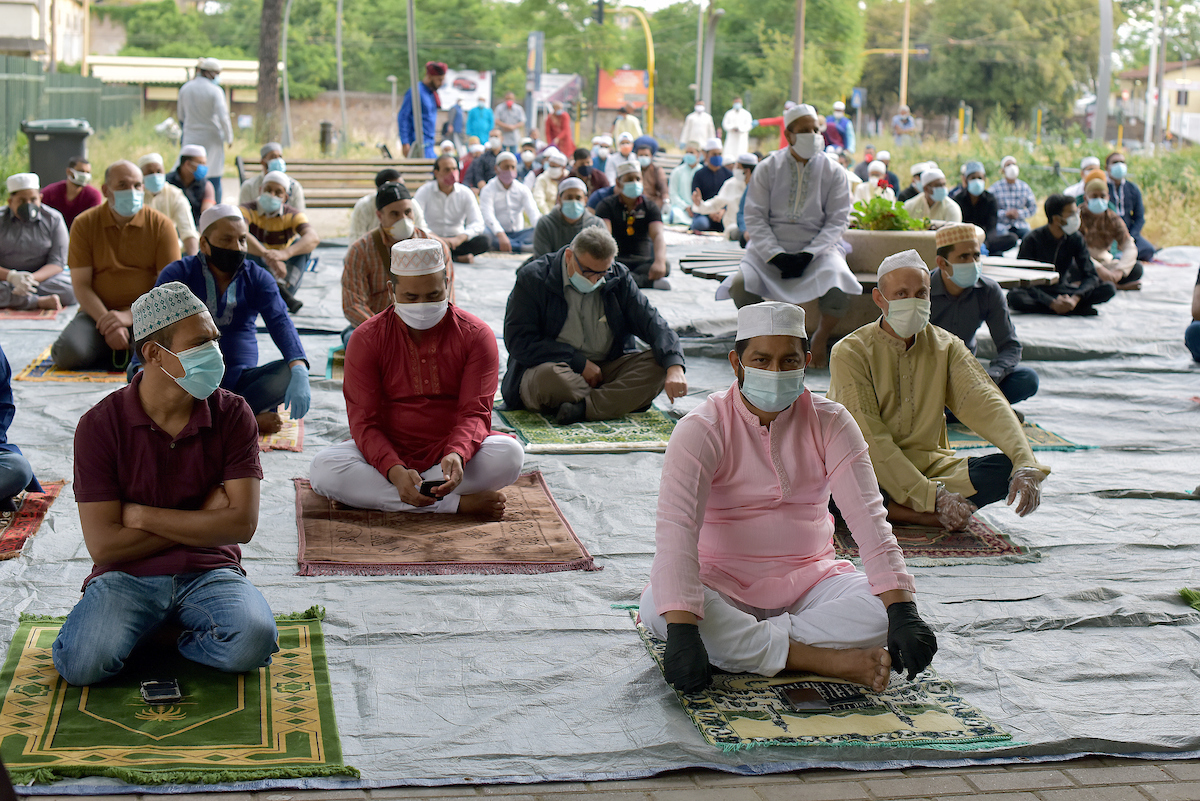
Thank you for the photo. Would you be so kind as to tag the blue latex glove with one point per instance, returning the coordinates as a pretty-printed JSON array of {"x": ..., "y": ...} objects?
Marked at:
[{"x": 298, "y": 395}]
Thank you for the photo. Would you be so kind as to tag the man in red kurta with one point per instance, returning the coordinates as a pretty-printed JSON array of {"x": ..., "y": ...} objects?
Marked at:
[
  {"x": 558, "y": 129},
  {"x": 420, "y": 381}
]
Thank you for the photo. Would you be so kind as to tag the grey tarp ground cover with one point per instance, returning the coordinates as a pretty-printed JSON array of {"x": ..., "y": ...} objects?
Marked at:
[{"x": 449, "y": 679}]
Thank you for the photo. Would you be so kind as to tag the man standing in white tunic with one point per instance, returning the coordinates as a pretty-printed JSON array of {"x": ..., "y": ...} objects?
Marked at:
[
  {"x": 797, "y": 209},
  {"x": 737, "y": 123},
  {"x": 697, "y": 126},
  {"x": 204, "y": 117}
]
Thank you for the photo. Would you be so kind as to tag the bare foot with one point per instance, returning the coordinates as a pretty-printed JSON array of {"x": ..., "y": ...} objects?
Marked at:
[
  {"x": 469, "y": 258},
  {"x": 869, "y": 667},
  {"x": 50, "y": 302},
  {"x": 1131, "y": 286},
  {"x": 269, "y": 423},
  {"x": 482, "y": 504},
  {"x": 820, "y": 350}
]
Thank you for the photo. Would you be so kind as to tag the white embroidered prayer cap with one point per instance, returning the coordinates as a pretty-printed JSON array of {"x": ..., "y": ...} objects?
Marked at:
[
  {"x": 839, "y": 106},
  {"x": 771, "y": 318},
  {"x": 277, "y": 177},
  {"x": 162, "y": 306},
  {"x": 931, "y": 175},
  {"x": 959, "y": 232},
  {"x": 626, "y": 168},
  {"x": 918, "y": 168},
  {"x": 506, "y": 155},
  {"x": 417, "y": 257},
  {"x": 571, "y": 183},
  {"x": 150, "y": 158},
  {"x": 557, "y": 158},
  {"x": 188, "y": 151},
  {"x": 905, "y": 258},
  {"x": 877, "y": 167},
  {"x": 212, "y": 214},
  {"x": 883, "y": 155},
  {"x": 748, "y": 159},
  {"x": 1088, "y": 161},
  {"x": 796, "y": 112},
  {"x": 605, "y": 140},
  {"x": 23, "y": 180},
  {"x": 210, "y": 64}
]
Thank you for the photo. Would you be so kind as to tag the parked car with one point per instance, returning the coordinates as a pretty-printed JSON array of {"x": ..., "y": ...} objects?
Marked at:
[{"x": 464, "y": 84}]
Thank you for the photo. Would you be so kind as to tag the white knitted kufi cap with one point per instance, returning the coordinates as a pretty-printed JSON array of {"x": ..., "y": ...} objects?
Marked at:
[
  {"x": 210, "y": 64},
  {"x": 931, "y": 175},
  {"x": 162, "y": 306},
  {"x": 23, "y": 180},
  {"x": 905, "y": 258},
  {"x": 212, "y": 214},
  {"x": 571, "y": 183},
  {"x": 277, "y": 177},
  {"x": 417, "y": 257},
  {"x": 798, "y": 111},
  {"x": 771, "y": 318},
  {"x": 150, "y": 158},
  {"x": 188, "y": 151}
]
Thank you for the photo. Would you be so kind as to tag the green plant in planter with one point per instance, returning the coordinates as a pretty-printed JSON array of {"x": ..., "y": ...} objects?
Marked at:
[{"x": 881, "y": 214}]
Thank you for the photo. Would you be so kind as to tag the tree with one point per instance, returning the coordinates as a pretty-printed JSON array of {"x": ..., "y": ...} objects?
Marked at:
[{"x": 267, "y": 116}]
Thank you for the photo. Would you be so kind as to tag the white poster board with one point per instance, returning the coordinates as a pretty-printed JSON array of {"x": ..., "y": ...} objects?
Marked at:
[{"x": 468, "y": 86}]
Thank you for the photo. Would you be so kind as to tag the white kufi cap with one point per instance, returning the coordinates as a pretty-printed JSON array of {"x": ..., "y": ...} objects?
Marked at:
[
  {"x": 23, "y": 180},
  {"x": 798, "y": 111},
  {"x": 277, "y": 177},
  {"x": 712, "y": 144},
  {"x": 417, "y": 257},
  {"x": 905, "y": 258},
  {"x": 212, "y": 214},
  {"x": 771, "y": 318},
  {"x": 210, "y": 64},
  {"x": 150, "y": 158},
  {"x": 571, "y": 183},
  {"x": 188, "y": 151},
  {"x": 932, "y": 175}
]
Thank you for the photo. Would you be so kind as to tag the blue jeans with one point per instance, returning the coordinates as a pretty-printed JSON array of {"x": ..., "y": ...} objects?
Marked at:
[
  {"x": 521, "y": 241},
  {"x": 296, "y": 266},
  {"x": 1020, "y": 384},
  {"x": 216, "y": 185},
  {"x": 346, "y": 332},
  {"x": 702, "y": 222},
  {"x": 15, "y": 474},
  {"x": 264, "y": 387},
  {"x": 226, "y": 623},
  {"x": 1191, "y": 338}
]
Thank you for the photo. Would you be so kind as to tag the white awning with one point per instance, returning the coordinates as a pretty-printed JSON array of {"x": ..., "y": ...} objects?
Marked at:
[{"x": 174, "y": 71}]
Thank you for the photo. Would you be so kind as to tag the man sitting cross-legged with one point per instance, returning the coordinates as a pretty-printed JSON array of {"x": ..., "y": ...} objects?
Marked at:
[
  {"x": 744, "y": 569},
  {"x": 569, "y": 330},
  {"x": 33, "y": 250},
  {"x": 420, "y": 382},
  {"x": 896, "y": 376},
  {"x": 236, "y": 291},
  {"x": 167, "y": 480}
]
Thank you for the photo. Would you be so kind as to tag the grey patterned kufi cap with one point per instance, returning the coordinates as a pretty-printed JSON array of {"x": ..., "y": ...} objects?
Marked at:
[{"x": 162, "y": 306}]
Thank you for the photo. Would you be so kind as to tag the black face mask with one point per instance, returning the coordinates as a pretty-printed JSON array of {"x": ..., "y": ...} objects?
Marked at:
[
  {"x": 583, "y": 171},
  {"x": 29, "y": 212},
  {"x": 226, "y": 260}
]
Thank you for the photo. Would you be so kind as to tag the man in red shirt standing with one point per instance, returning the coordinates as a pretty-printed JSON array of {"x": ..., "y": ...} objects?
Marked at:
[
  {"x": 74, "y": 196},
  {"x": 558, "y": 129},
  {"x": 419, "y": 385},
  {"x": 167, "y": 480}
]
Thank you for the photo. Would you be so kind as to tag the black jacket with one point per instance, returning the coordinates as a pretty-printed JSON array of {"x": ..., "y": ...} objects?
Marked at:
[
  {"x": 1069, "y": 255},
  {"x": 537, "y": 311},
  {"x": 983, "y": 212}
]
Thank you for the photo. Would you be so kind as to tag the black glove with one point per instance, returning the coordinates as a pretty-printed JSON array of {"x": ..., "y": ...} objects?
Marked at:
[
  {"x": 792, "y": 265},
  {"x": 910, "y": 641},
  {"x": 686, "y": 662}
]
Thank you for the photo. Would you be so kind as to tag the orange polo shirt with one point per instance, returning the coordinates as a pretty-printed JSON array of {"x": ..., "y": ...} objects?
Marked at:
[{"x": 125, "y": 260}]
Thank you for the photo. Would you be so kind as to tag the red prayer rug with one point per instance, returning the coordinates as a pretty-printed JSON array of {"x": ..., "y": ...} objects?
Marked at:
[
  {"x": 29, "y": 314},
  {"x": 17, "y": 527},
  {"x": 924, "y": 545}
]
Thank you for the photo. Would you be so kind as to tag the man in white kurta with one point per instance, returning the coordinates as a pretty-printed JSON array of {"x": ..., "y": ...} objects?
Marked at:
[
  {"x": 204, "y": 118},
  {"x": 934, "y": 201},
  {"x": 797, "y": 209},
  {"x": 744, "y": 568},
  {"x": 737, "y": 123},
  {"x": 697, "y": 126}
]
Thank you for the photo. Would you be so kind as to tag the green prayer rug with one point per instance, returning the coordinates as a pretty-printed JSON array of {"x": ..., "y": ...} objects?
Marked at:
[
  {"x": 1040, "y": 439},
  {"x": 274, "y": 722},
  {"x": 741, "y": 710},
  {"x": 640, "y": 431}
]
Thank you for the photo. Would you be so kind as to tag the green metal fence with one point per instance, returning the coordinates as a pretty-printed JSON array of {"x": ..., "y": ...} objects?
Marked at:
[{"x": 27, "y": 92}]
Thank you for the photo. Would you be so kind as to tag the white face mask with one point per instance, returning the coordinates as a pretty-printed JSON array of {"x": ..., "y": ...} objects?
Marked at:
[
  {"x": 554, "y": 172},
  {"x": 494, "y": 143},
  {"x": 1011, "y": 172},
  {"x": 907, "y": 316},
  {"x": 602, "y": 152},
  {"x": 808, "y": 145},
  {"x": 80, "y": 178},
  {"x": 422, "y": 316},
  {"x": 698, "y": 109},
  {"x": 402, "y": 228},
  {"x": 527, "y": 156},
  {"x": 1071, "y": 224}
]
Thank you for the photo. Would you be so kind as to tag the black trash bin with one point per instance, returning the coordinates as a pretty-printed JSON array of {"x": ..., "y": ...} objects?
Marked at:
[{"x": 52, "y": 143}]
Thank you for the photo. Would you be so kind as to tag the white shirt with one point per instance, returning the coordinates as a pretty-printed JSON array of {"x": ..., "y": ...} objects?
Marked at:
[
  {"x": 698, "y": 127},
  {"x": 947, "y": 210},
  {"x": 253, "y": 187},
  {"x": 502, "y": 207},
  {"x": 171, "y": 202},
  {"x": 615, "y": 160},
  {"x": 363, "y": 220},
  {"x": 452, "y": 214},
  {"x": 204, "y": 118}
]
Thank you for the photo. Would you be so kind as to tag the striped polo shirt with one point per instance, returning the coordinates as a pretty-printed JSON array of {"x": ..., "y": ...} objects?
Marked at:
[{"x": 275, "y": 231}]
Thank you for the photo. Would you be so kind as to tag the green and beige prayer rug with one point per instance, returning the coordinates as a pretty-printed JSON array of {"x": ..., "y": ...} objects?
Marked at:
[
  {"x": 640, "y": 431},
  {"x": 741, "y": 711},
  {"x": 275, "y": 722},
  {"x": 1040, "y": 439}
]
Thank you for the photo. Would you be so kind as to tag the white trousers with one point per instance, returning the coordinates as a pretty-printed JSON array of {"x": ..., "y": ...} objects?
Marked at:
[
  {"x": 342, "y": 473},
  {"x": 839, "y": 612}
]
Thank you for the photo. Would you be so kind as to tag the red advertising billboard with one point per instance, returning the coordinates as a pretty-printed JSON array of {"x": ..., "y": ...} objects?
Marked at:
[{"x": 623, "y": 87}]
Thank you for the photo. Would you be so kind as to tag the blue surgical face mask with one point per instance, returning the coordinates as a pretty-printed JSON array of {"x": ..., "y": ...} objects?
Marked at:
[
  {"x": 716, "y": 160},
  {"x": 201, "y": 172},
  {"x": 154, "y": 182},
  {"x": 975, "y": 186},
  {"x": 1118, "y": 170},
  {"x": 939, "y": 194},
  {"x": 772, "y": 391},
  {"x": 632, "y": 189},
  {"x": 203, "y": 369},
  {"x": 965, "y": 275},
  {"x": 689, "y": 159},
  {"x": 917, "y": 184},
  {"x": 572, "y": 209},
  {"x": 583, "y": 285},
  {"x": 128, "y": 202},
  {"x": 269, "y": 204},
  {"x": 277, "y": 165},
  {"x": 1097, "y": 205},
  {"x": 644, "y": 161}
]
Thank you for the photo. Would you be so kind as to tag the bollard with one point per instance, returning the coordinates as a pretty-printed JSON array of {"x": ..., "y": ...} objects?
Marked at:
[{"x": 327, "y": 143}]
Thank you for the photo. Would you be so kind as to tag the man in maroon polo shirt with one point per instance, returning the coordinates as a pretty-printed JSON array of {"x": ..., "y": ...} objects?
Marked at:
[{"x": 167, "y": 480}]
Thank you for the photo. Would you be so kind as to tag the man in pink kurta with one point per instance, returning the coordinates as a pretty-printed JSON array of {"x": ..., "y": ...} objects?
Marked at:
[{"x": 744, "y": 570}]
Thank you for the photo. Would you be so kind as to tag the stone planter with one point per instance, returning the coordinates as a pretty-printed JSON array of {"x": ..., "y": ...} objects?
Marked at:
[{"x": 872, "y": 247}]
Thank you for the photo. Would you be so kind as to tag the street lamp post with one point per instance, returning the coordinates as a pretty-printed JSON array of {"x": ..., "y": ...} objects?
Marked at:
[{"x": 637, "y": 12}]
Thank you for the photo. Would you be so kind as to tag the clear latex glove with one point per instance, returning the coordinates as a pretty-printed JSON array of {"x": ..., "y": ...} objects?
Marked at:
[
  {"x": 953, "y": 510},
  {"x": 1026, "y": 483},
  {"x": 22, "y": 282}
]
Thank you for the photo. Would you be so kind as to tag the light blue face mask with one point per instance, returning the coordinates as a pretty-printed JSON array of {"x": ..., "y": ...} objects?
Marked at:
[
  {"x": 965, "y": 275},
  {"x": 939, "y": 194},
  {"x": 269, "y": 204},
  {"x": 1097, "y": 205},
  {"x": 583, "y": 285},
  {"x": 689, "y": 159},
  {"x": 154, "y": 182},
  {"x": 632, "y": 189},
  {"x": 203, "y": 369},
  {"x": 917, "y": 184},
  {"x": 645, "y": 161},
  {"x": 1118, "y": 170},
  {"x": 572, "y": 209},
  {"x": 128, "y": 202},
  {"x": 772, "y": 391},
  {"x": 975, "y": 186},
  {"x": 276, "y": 165}
]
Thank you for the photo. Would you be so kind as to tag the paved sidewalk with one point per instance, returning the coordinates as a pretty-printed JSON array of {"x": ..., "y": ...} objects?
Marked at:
[{"x": 1092, "y": 779}]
